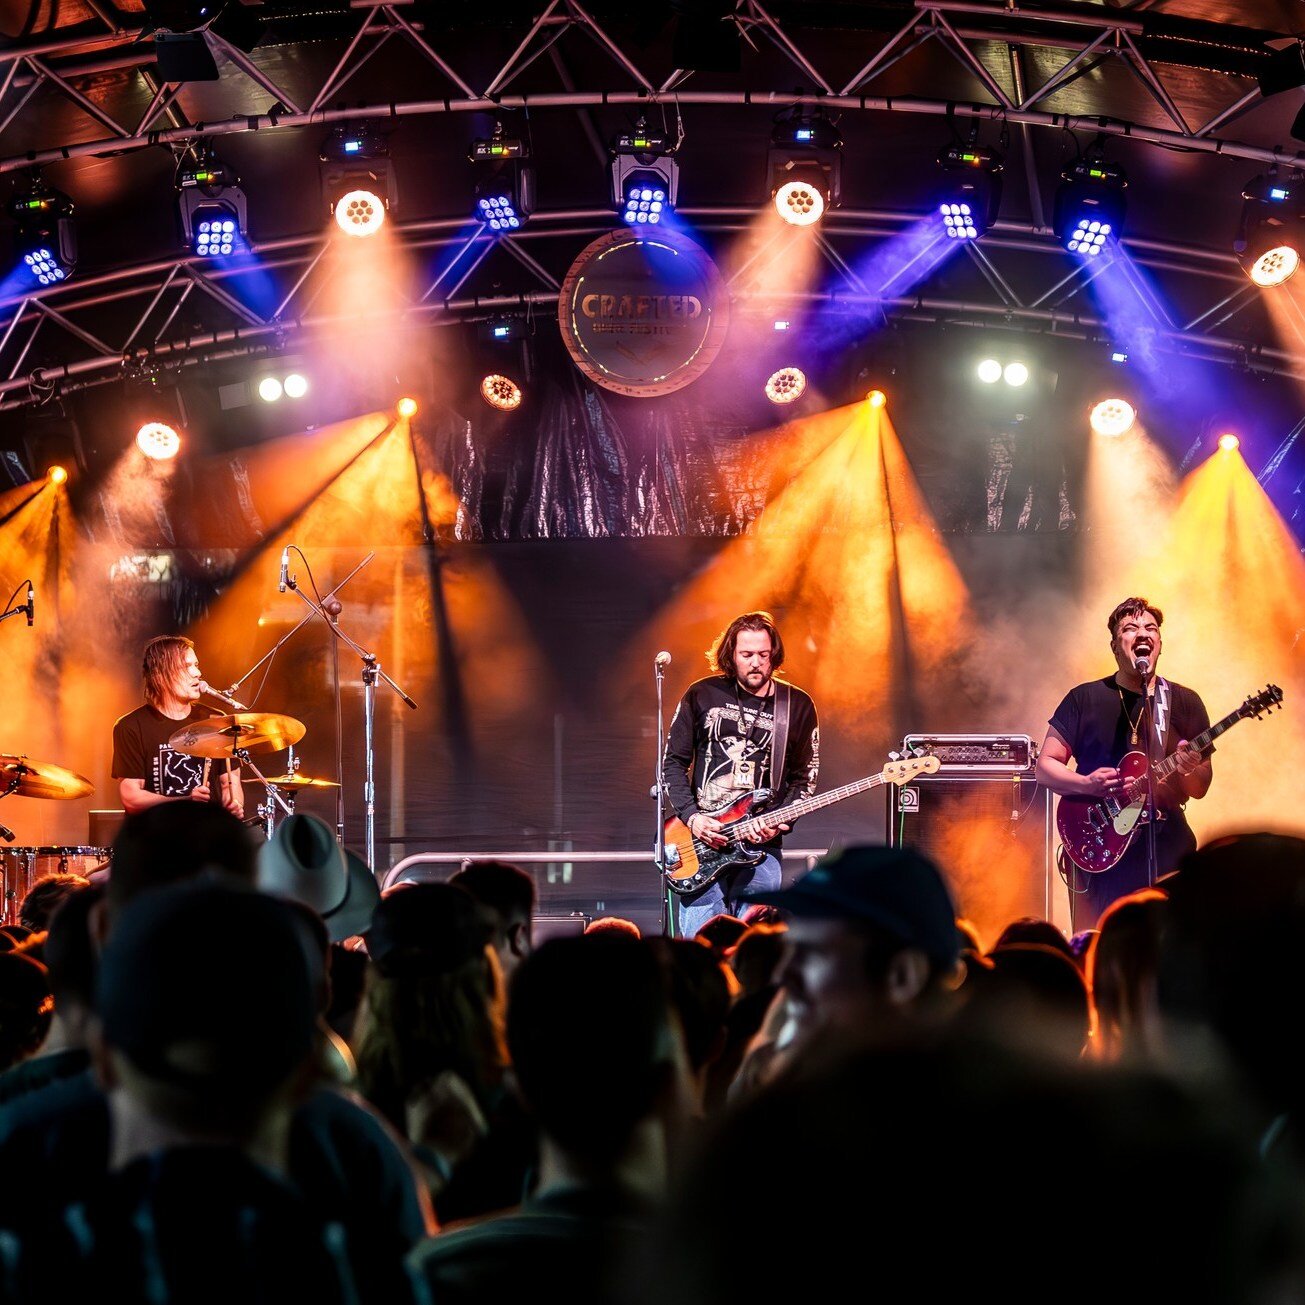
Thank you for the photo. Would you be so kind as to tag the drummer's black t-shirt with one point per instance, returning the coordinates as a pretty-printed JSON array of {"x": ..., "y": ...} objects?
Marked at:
[{"x": 140, "y": 750}]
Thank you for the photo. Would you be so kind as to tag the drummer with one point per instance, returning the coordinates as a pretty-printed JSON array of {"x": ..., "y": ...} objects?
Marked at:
[{"x": 147, "y": 769}]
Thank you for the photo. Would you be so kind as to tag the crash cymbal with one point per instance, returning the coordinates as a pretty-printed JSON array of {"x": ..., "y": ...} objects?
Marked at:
[
  {"x": 299, "y": 781},
  {"x": 254, "y": 731},
  {"x": 40, "y": 779}
]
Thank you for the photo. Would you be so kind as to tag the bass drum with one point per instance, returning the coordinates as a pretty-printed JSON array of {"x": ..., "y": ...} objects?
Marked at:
[{"x": 24, "y": 867}]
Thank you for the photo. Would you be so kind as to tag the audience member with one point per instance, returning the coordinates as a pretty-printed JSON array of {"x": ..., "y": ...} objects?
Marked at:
[
  {"x": 600, "y": 1067},
  {"x": 70, "y": 961},
  {"x": 202, "y": 1080},
  {"x": 1032, "y": 929},
  {"x": 721, "y": 932},
  {"x": 1122, "y": 962},
  {"x": 508, "y": 893},
  {"x": 26, "y": 1007},
  {"x": 1230, "y": 979},
  {"x": 1034, "y": 993},
  {"x": 45, "y": 897},
  {"x": 430, "y": 1047},
  {"x": 701, "y": 992},
  {"x": 615, "y": 926},
  {"x": 863, "y": 1145},
  {"x": 872, "y": 941}
]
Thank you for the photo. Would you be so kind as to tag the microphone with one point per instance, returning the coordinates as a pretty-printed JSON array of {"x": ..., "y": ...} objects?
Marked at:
[
  {"x": 31, "y": 602},
  {"x": 662, "y": 660},
  {"x": 1143, "y": 667},
  {"x": 285, "y": 568},
  {"x": 205, "y": 687}
]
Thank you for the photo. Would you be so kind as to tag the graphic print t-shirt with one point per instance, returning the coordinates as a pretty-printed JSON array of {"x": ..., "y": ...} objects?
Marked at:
[
  {"x": 140, "y": 750},
  {"x": 723, "y": 737}
]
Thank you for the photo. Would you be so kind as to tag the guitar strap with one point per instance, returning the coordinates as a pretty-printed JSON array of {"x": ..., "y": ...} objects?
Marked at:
[
  {"x": 1160, "y": 708},
  {"x": 779, "y": 740}
]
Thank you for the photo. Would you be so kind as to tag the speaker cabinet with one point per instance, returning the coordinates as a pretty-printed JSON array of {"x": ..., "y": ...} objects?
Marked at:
[{"x": 990, "y": 834}]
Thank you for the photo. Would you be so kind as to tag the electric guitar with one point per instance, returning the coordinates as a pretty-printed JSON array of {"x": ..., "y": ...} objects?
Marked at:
[
  {"x": 692, "y": 864},
  {"x": 1096, "y": 832}
]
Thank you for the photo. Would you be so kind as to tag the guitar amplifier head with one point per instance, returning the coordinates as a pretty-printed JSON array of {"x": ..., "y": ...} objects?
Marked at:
[{"x": 978, "y": 753}]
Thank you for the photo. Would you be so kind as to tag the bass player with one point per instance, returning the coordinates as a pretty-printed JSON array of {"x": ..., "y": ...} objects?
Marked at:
[
  {"x": 722, "y": 744},
  {"x": 1101, "y": 721}
]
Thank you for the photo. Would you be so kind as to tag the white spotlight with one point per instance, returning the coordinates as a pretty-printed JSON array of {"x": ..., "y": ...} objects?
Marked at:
[
  {"x": 800, "y": 203},
  {"x": 360, "y": 212},
  {"x": 989, "y": 371},
  {"x": 296, "y": 386},
  {"x": 1113, "y": 417},
  {"x": 786, "y": 385},
  {"x": 500, "y": 392},
  {"x": 1016, "y": 373},
  {"x": 269, "y": 389},
  {"x": 158, "y": 440}
]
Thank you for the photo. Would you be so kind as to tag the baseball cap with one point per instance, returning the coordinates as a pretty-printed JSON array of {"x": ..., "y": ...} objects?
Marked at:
[
  {"x": 210, "y": 985},
  {"x": 895, "y": 888}
]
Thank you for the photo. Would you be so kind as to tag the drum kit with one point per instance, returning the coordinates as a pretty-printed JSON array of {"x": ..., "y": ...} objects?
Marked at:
[{"x": 235, "y": 738}]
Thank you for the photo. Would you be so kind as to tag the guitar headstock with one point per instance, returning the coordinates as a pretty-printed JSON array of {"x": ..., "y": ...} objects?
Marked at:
[
  {"x": 905, "y": 770},
  {"x": 1258, "y": 703}
]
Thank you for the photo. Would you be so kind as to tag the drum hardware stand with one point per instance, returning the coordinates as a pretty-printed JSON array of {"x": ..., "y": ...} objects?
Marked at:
[
  {"x": 267, "y": 809},
  {"x": 276, "y": 648},
  {"x": 371, "y": 672}
]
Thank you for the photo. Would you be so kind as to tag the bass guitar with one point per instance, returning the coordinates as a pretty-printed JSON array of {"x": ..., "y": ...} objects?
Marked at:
[
  {"x": 1096, "y": 832},
  {"x": 692, "y": 865}
]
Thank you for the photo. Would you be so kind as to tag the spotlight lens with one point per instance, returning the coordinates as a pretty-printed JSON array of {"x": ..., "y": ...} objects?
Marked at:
[
  {"x": 296, "y": 386},
  {"x": 360, "y": 213},
  {"x": 989, "y": 371},
  {"x": 500, "y": 392},
  {"x": 58, "y": 475},
  {"x": 158, "y": 440},
  {"x": 786, "y": 385},
  {"x": 1016, "y": 373},
  {"x": 799, "y": 203},
  {"x": 1229, "y": 442},
  {"x": 1112, "y": 417},
  {"x": 407, "y": 407},
  {"x": 877, "y": 398},
  {"x": 269, "y": 389},
  {"x": 1275, "y": 266}
]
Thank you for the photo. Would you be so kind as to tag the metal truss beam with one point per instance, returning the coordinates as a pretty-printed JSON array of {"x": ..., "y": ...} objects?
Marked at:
[
  {"x": 959, "y": 25},
  {"x": 164, "y": 287},
  {"x": 768, "y": 100}
]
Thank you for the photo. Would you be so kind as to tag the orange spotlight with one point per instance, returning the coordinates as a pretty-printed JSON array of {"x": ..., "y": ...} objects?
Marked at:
[
  {"x": 877, "y": 398},
  {"x": 158, "y": 440},
  {"x": 407, "y": 407},
  {"x": 57, "y": 475},
  {"x": 1228, "y": 442}
]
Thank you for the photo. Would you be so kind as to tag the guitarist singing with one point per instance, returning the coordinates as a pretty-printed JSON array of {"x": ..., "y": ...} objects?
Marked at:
[
  {"x": 721, "y": 744},
  {"x": 1097, "y": 724}
]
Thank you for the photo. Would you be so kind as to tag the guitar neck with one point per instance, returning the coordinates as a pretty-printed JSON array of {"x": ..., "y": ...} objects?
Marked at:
[
  {"x": 784, "y": 815},
  {"x": 1163, "y": 769}
]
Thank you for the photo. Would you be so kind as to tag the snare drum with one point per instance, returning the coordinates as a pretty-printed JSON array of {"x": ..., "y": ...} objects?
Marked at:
[{"x": 24, "y": 867}]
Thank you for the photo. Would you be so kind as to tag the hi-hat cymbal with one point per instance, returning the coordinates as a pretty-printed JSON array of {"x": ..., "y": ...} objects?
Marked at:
[
  {"x": 41, "y": 779},
  {"x": 299, "y": 781},
  {"x": 252, "y": 731}
]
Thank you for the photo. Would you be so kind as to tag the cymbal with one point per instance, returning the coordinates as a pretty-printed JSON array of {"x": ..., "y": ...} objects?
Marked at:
[
  {"x": 41, "y": 779},
  {"x": 299, "y": 781},
  {"x": 254, "y": 731}
]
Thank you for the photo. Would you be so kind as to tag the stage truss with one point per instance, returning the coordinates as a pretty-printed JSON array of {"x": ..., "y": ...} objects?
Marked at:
[{"x": 991, "y": 44}]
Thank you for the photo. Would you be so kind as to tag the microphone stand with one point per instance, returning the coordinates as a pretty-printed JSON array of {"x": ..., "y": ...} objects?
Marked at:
[
  {"x": 371, "y": 672},
  {"x": 1148, "y": 722},
  {"x": 659, "y": 791}
]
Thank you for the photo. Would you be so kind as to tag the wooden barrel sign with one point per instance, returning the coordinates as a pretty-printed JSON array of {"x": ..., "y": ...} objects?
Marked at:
[{"x": 643, "y": 314}]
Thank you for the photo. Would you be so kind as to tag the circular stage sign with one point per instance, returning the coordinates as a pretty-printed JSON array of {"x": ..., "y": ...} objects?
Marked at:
[{"x": 643, "y": 314}]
